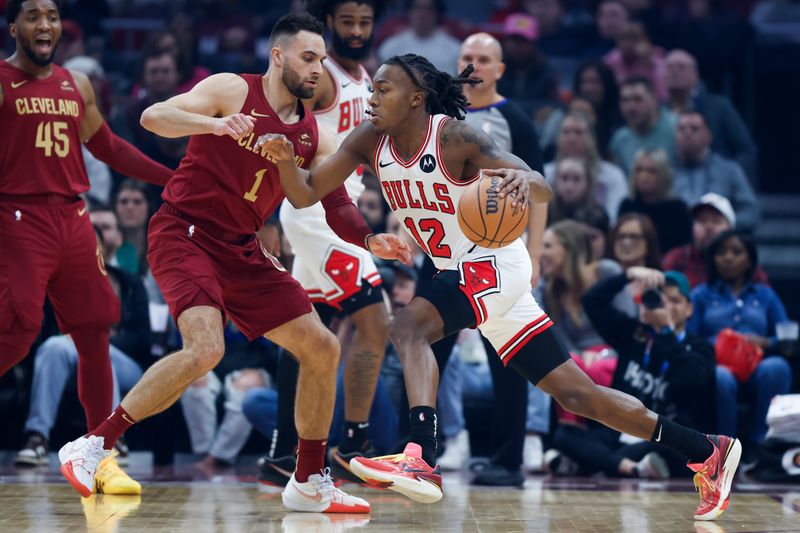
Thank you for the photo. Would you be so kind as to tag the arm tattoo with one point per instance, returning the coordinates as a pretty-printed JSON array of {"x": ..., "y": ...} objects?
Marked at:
[{"x": 469, "y": 135}]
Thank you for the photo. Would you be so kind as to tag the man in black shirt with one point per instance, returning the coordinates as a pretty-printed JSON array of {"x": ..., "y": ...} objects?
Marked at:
[{"x": 659, "y": 362}]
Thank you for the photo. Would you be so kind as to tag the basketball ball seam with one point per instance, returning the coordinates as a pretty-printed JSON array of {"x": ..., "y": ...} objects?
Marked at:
[
  {"x": 465, "y": 224},
  {"x": 521, "y": 218}
]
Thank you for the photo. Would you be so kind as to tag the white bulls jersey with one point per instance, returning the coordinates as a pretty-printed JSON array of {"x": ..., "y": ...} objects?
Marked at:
[
  {"x": 346, "y": 112},
  {"x": 424, "y": 196},
  {"x": 331, "y": 270}
]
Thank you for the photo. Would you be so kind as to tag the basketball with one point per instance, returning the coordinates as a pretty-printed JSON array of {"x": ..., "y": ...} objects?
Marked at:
[{"x": 488, "y": 220}]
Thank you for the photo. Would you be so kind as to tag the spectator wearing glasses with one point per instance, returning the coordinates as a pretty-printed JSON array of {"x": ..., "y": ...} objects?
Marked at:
[{"x": 634, "y": 242}]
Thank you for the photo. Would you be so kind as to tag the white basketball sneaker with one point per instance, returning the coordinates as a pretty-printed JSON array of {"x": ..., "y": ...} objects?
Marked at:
[
  {"x": 79, "y": 460},
  {"x": 319, "y": 495}
]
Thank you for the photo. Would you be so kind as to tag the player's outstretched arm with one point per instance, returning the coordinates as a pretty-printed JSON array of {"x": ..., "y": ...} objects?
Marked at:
[
  {"x": 108, "y": 147},
  {"x": 481, "y": 151},
  {"x": 329, "y": 168},
  {"x": 212, "y": 106}
]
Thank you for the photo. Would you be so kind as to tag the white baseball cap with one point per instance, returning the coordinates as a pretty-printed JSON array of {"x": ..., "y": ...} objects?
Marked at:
[{"x": 719, "y": 203}]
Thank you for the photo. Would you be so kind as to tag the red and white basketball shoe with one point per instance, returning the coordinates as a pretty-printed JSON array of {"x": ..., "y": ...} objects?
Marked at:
[
  {"x": 319, "y": 495},
  {"x": 79, "y": 460},
  {"x": 714, "y": 477},
  {"x": 406, "y": 473}
]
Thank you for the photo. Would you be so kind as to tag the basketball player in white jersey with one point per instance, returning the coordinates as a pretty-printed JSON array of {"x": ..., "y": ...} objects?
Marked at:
[
  {"x": 338, "y": 276},
  {"x": 424, "y": 159}
]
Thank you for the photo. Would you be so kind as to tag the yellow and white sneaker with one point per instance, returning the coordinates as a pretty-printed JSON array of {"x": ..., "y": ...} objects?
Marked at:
[{"x": 111, "y": 479}]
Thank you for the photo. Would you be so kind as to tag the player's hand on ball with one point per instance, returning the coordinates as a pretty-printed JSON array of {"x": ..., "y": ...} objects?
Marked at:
[
  {"x": 237, "y": 126},
  {"x": 279, "y": 148},
  {"x": 389, "y": 246},
  {"x": 520, "y": 185}
]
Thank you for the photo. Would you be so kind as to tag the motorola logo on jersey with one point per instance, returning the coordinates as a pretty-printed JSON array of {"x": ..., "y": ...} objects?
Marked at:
[{"x": 427, "y": 164}]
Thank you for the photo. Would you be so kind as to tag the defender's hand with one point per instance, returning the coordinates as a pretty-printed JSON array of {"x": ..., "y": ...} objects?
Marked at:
[
  {"x": 279, "y": 148},
  {"x": 237, "y": 126},
  {"x": 388, "y": 246}
]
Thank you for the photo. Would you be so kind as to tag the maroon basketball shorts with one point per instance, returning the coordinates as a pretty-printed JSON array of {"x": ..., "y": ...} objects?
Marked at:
[
  {"x": 48, "y": 246},
  {"x": 193, "y": 268}
]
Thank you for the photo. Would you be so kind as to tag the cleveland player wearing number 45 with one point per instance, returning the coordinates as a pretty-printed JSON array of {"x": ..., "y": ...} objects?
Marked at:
[
  {"x": 47, "y": 243},
  {"x": 424, "y": 159},
  {"x": 205, "y": 256}
]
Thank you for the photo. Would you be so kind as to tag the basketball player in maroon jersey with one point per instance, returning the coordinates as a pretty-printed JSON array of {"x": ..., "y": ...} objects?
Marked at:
[
  {"x": 409, "y": 94},
  {"x": 209, "y": 264},
  {"x": 47, "y": 243}
]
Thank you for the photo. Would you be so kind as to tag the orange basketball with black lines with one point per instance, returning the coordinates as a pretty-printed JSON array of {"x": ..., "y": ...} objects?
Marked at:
[{"x": 488, "y": 220}]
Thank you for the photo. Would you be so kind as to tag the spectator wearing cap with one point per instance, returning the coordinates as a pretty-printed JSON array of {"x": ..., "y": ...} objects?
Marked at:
[
  {"x": 731, "y": 299},
  {"x": 425, "y": 36},
  {"x": 711, "y": 215},
  {"x": 730, "y": 137},
  {"x": 647, "y": 125},
  {"x": 659, "y": 362},
  {"x": 700, "y": 169},
  {"x": 528, "y": 79}
]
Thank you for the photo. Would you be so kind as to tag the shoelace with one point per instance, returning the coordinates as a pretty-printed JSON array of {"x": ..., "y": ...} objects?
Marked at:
[
  {"x": 326, "y": 485},
  {"x": 703, "y": 485},
  {"x": 93, "y": 454}
]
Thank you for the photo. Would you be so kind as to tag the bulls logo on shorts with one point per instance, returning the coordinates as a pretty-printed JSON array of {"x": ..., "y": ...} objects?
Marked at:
[
  {"x": 344, "y": 270},
  {"x": 478, "y": 279}
]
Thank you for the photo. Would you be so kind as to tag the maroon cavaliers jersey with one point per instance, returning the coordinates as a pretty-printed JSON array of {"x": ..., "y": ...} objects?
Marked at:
[
  {"x": 40, "y": 152},
  {"x": 228, "y": 182}
]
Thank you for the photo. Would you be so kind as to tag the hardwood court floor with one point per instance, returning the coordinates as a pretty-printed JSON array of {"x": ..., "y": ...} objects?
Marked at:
[{"x": 175, "y": 500}]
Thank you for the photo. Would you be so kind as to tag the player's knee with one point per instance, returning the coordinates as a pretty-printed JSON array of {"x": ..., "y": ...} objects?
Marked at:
[
  {"x": 204, "y": 357},
  {"x": 322, "y": 351},
  {"x": 582, "y": 400},
  {"x": 404, "y": 330}
]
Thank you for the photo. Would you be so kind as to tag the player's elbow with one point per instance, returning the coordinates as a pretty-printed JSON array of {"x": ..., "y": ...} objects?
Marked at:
[
  {"x": 150, "y": 118},
  {"x": 301, "y": 201}
]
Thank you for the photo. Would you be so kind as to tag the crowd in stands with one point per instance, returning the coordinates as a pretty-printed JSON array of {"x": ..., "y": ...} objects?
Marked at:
[{"x": 628, "y": 107}]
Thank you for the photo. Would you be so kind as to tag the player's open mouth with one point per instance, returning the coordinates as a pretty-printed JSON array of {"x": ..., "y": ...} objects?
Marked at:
[{"x": 43, "y": 44}]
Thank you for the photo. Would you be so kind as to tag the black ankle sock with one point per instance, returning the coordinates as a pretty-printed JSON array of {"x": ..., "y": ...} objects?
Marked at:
[
  {"x": 422, "y": 421},
  {"x": 285, "y": 437},
  {"x": 355, "y": 436},
  {"x": 692, "y": 444}
]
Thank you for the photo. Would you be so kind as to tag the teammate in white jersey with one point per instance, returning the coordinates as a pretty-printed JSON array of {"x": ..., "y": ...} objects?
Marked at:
[
  {"x": 338, "y": 276},
  {"x": 424, "y": 159}
]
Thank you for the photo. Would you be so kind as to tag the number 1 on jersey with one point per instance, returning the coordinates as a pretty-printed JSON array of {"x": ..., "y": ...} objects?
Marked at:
[
  {"x": 251, "y": 194},
  {"x": 434, "y": 245}
]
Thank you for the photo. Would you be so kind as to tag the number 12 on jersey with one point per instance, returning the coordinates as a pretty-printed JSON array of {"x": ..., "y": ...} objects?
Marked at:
[{"x": 434, "y": 246}]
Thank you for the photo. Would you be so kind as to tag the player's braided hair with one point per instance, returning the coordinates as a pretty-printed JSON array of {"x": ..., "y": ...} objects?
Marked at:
[{"x": 444, "y": 93}]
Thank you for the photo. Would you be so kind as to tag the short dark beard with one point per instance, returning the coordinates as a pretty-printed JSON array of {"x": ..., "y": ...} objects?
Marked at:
[
  {"x": 346, "y": 51},
  {"x": 294, "y": 84},
  {"x": 38, "y": 61}
]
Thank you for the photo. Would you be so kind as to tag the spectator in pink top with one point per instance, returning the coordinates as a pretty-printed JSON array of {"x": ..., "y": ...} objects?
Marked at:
[{"x": 636, "y": 56}]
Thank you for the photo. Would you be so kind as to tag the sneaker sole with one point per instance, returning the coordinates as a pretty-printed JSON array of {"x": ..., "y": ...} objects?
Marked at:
[
  {"x": 83, "y": 490},
  {"x": 31, "y": 461},
  {"x": 306, "y": 505},
  {"x": 730, "y": 466},
  {"x": 421, "y": 491}
]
